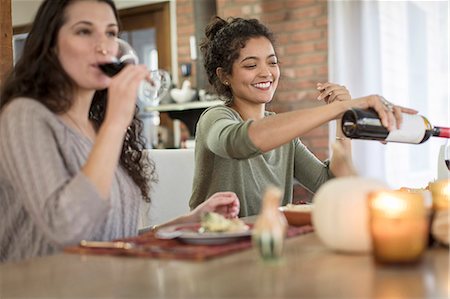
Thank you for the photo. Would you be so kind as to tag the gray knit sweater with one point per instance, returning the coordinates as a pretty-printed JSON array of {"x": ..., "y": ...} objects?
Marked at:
[
  {"x": 227, "y": 160},
  {"x": 46, "y": 203}
]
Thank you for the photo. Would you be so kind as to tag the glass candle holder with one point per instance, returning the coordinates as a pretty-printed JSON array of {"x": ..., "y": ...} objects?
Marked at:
[
  {"x": 398, "y": 226},
  {"x": 439, "y": 230},
  {"x": 428, "y": 200},
  {"x": 440, "y": 191}
]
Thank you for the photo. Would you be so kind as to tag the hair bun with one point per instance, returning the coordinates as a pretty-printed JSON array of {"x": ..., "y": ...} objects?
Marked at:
[{"x": 214, "y": 26}]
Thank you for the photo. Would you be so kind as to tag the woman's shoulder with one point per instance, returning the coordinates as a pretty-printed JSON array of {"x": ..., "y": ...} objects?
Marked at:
[
  {"x": 26, "y": 105},
  {"x": 26, "y": 112},
  {"x": 220, "y": 111},
  {"x": 218, "y": 108}
]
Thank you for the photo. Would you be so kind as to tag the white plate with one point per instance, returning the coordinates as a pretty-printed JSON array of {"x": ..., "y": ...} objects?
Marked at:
[{"x": 188, "y": 233}]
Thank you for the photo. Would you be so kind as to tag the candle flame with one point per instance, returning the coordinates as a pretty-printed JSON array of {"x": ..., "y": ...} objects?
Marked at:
[
  {"x": 390, "y": 205},
  {"x": 446, "y": 190}
]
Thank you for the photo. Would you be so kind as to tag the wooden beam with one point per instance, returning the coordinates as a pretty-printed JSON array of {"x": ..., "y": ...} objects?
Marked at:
[{"x": 6, "y": 52}]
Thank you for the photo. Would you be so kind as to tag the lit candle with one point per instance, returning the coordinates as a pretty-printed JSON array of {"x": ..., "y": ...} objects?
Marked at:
[
  {"x": 398, "y": 226},
  {"x": 440, "y": 191}
]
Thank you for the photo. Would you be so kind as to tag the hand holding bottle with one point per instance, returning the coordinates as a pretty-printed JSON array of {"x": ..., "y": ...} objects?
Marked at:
[
  {"x": 390, "y": 115},
  {"x": 366, "y": 124}
]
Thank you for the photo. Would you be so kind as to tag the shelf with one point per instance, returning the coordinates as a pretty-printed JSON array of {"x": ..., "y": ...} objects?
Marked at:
[{"x": 184, "y": 106}]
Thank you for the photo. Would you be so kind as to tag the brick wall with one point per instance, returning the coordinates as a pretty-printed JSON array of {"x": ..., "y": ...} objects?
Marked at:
[
  {"x": 300, "y": 28},
  {"x": 185, "y": 28}
]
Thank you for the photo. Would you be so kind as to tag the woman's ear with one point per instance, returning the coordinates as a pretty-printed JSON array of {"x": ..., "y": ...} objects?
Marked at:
[{"x": 222, "y": 76}]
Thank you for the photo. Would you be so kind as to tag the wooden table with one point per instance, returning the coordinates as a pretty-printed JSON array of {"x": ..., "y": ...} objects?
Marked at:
[{"x": 307, "y": 270}]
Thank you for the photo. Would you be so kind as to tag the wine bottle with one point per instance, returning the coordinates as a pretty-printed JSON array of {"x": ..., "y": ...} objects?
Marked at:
[{"x": 365, "y": 124}]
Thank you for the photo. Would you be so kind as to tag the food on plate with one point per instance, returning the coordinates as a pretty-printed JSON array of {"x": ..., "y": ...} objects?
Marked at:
[
  {"x": 213, "y": 222},
  {"x": 299, "y": 208}
]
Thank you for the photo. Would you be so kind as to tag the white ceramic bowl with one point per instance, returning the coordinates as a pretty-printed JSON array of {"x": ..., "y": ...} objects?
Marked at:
[{"x": 182, "y": 96}]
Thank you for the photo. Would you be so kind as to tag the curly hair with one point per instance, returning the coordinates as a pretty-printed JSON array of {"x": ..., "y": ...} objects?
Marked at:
[
  {"x": 222, "y": 45},
  {"x": 39, "y": 75}
]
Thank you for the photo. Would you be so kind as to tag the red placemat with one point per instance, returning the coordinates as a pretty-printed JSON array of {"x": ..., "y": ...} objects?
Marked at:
[{"x": 150, "y": 246}]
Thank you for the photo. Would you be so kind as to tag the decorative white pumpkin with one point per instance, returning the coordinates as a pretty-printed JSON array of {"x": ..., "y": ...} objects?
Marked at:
[{"x": 340, "y": 214}]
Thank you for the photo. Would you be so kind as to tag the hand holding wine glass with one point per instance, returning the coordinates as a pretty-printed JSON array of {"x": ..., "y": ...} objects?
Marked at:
[{"x": 153, "y": 89}]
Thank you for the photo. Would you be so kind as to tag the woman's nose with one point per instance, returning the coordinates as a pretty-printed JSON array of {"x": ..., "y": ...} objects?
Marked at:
[
  {"x": 265, "y": 72},
  {"x": 101, "y": 49},
  {"x": 105, "y": 46}
]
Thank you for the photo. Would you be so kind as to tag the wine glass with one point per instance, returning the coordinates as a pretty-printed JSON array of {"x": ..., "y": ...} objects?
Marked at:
[
  {"x": 447, "y": 154},
  {"x": 443, "y": 161},
  {"x": 151, "y": 91}
]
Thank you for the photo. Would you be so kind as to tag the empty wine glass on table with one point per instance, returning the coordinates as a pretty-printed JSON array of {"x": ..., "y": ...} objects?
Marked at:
[
  {"x": 443, "y": 161},
  {"x": 152, "y": 90},
  {"x": 447, "y": 154}
]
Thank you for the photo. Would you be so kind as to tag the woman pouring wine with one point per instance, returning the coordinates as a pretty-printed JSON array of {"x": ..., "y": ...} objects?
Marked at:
[{"x": 240, "y": 146}]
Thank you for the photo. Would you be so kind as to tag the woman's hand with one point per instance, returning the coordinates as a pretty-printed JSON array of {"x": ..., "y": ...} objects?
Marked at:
[
  {"x": 331, "y": 92},
  {"x": 224, "y": 203},
  {"x": 122, "y": 94},
  {"x": 389, "y": 114},
  {"x": 341, "y": 163}
]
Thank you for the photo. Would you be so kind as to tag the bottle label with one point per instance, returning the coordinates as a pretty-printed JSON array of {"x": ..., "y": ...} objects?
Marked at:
[{"x": 412, "y": 130}]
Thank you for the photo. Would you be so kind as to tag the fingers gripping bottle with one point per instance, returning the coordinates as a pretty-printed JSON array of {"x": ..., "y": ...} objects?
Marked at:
[{"x": 365, "y": 124}]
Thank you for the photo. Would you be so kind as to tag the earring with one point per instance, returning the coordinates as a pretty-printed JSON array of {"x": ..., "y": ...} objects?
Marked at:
[{"x": 226, "y": 83}]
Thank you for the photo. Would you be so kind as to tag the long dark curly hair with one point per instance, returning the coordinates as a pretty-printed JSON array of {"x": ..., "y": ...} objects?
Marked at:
[
  {"x": 222, "y": 45},
  {"x": 39, "y": 75}
]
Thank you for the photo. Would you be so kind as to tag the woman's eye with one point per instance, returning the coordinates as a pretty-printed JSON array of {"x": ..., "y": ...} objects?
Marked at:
[
  {"x": 83, "y": 32},
  {"x": 112, "y": 34},
  {"x": 250, "y": 66}
]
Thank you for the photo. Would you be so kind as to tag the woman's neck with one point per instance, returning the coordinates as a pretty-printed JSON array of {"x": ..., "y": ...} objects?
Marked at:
[
  {"x": 82, "y": 100},
  {"x": 78, "y": 114},
  {"x": 249, "y": 110}
]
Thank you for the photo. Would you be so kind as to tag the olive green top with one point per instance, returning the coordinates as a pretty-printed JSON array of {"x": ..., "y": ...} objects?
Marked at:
[{"x": 227, "y": 160}]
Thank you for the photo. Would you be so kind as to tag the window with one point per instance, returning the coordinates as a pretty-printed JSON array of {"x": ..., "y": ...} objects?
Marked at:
[
  {"x": 18, "y": 44},
  {"x": 398, "y": 49}
]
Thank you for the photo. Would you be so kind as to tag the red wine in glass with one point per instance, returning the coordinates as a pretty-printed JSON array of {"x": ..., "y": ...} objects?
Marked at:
[
  {"x": 124, "y": 54},
  {"x": 150, "y": 91},
  {"x": 113, "y": 68}
]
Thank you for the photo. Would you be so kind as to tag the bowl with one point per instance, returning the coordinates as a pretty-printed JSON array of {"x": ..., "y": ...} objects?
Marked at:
[
  {"x": 181, "y": 96},
  {"x": 297, "y": 215}
]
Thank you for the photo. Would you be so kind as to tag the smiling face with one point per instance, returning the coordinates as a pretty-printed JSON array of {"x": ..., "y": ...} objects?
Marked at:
[
  {"x": 255, "y": 73},
  {"x": 89, "y": 27}
]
